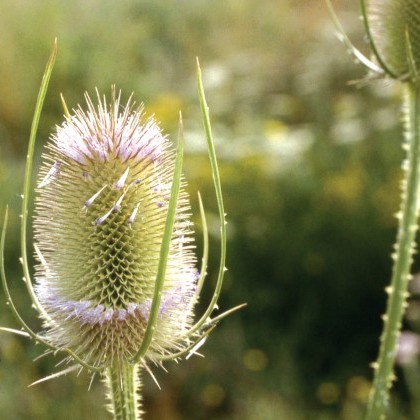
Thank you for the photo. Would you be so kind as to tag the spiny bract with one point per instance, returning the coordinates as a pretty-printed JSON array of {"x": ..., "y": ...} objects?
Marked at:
[
  {"x": 395, "y": 27},
  {"x": 100, "y": 213}
]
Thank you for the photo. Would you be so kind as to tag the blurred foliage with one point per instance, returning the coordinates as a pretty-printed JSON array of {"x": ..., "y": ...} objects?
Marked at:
[{"x": 310, "y": 167}]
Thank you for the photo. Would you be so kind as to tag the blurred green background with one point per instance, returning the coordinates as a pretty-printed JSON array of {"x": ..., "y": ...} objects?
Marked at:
[{"x": 310, "y": 166}]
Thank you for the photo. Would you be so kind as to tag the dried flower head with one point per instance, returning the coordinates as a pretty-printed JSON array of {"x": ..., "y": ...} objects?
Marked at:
[{"x": 100, "y": 214}]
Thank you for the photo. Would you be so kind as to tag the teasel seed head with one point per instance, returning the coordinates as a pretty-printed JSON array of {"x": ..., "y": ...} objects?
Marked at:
[
  {"x": 100, "y": 213},
  {"x": 395, "y": 30}
]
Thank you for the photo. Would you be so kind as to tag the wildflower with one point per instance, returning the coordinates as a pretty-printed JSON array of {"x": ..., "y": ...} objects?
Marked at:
[{"x": 116, "y": 278}]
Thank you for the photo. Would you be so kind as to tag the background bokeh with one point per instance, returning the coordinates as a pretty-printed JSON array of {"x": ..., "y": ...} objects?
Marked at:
[{"x": 310, "y": 166}]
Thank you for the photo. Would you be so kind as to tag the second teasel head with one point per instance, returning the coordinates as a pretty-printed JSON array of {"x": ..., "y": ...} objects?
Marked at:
[{"x": 395, "y": 33}]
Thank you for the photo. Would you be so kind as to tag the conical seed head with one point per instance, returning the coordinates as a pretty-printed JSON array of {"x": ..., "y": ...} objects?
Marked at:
[
  {"x": 394, "y": 23},
  {"x": 100, "y": 214}
]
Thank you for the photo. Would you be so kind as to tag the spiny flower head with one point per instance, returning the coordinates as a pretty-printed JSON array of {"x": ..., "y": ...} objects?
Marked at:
[
  {"x": 395, "y": 26},
  {"x": 100, "y": 213}
]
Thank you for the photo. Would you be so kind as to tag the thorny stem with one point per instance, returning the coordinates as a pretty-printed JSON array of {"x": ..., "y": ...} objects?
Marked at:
[
  {"x": 123, "y": 386},
  {"x": 404, "y": 249}
]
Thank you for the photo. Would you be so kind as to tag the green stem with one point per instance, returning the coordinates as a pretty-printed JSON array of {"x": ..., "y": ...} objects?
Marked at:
[
  {"x": 123, "y": 384},
  {"x": 403, "y": 257}
]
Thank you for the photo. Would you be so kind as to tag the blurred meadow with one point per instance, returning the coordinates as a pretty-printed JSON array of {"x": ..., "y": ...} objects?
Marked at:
[{"x": 310, "y": 166}]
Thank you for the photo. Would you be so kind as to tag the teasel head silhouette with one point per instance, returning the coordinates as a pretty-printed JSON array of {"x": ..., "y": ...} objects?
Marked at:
[
  {"x": 392, "y": 28},
  {"x": 116, "y": 279}
]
